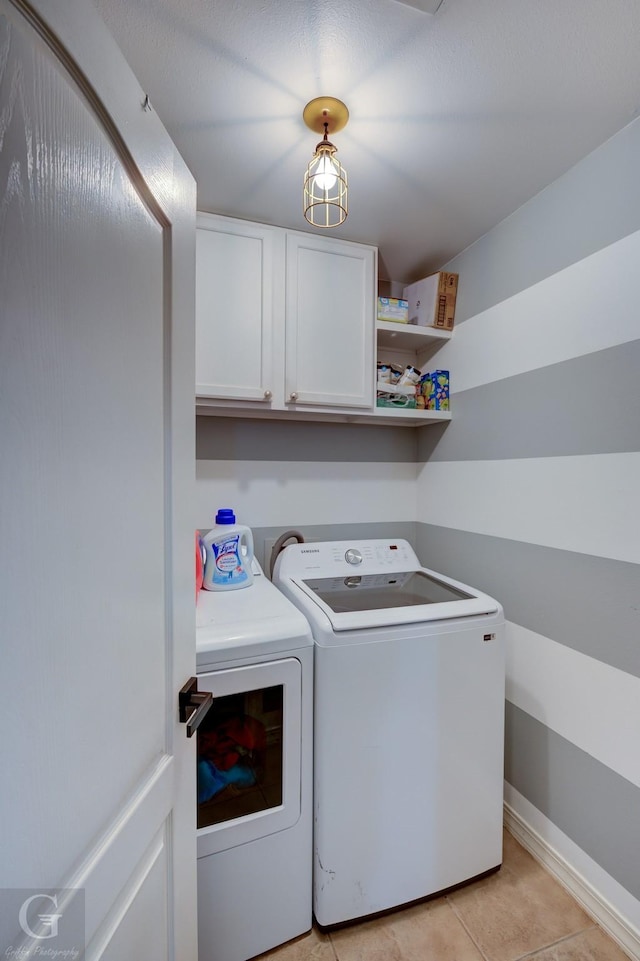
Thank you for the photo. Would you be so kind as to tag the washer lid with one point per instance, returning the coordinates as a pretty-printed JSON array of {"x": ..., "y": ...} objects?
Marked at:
[
  {"x": 357, "y": 601},
  {"x": 247, "y": 622},
  {"x": 376, "y": 582}
]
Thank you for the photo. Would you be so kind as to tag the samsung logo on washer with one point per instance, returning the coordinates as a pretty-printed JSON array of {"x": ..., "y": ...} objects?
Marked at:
[{"x": 310, "y": 550}]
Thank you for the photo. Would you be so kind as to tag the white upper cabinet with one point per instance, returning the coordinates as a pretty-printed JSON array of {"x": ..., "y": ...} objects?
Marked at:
[
  {"x": 286, "y": 326},
  {"x": 234, "y": 309},
  {"x": 285, "y": 321},
  {"x": 329, "y": 322}
]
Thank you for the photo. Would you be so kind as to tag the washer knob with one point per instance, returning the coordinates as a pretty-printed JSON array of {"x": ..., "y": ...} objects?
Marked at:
[{"x": 353, "y": 556}]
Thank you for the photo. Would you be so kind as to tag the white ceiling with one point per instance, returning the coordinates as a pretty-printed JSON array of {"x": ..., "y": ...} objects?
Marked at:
[{"x": 456, "y": 118}]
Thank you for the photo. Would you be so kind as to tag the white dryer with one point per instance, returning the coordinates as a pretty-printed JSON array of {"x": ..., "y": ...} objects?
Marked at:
[
  {"x": 255, "y": 755},
  {"x": 408, "y": 725}
]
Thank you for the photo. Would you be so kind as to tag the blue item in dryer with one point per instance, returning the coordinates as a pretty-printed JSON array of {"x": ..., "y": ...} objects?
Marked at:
[{"x": 211, "y": 780}]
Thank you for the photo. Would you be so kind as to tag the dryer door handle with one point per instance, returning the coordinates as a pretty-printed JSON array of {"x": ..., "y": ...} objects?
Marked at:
[{"x": 193, "y": 705}]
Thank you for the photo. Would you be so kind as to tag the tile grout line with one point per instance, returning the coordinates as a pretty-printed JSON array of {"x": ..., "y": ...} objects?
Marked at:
[
  {"x": 465, "y": 928},
  {"x": 529, "y": 954},
  {"x": 552, "y": 944},
  {"x": 333, "y": 947}
]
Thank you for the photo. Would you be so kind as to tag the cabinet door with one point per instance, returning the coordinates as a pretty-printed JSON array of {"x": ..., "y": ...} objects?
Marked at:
[
  {"x": 234, "y": 309},
  {"x": 329, "y": 322}
]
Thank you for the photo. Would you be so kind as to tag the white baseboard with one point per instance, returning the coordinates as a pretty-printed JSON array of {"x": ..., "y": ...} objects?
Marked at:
[{"x": 595, "y": 905}]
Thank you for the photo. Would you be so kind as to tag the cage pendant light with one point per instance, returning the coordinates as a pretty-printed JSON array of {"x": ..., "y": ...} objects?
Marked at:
[{"x": 325, "y": 201}]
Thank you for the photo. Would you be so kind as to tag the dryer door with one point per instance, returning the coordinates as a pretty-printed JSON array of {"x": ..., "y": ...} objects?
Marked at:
[{"x": 249, "y": 754}]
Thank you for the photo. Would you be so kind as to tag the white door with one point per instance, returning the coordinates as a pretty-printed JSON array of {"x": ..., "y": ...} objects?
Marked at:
[
  {"x": 97, "y": 223},
  {"x": 234, "y": 309},
  {"x": 329, "y": 321}
]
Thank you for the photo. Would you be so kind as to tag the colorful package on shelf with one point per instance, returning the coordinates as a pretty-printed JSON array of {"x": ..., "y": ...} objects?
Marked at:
[
  {"x": 434, "y": 387},
  {"x": 393, "y": 309}
]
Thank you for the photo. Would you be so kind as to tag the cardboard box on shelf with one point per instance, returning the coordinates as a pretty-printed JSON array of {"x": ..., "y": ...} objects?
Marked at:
[
  {"x": 393, "y": 309},
  {"x": 432, "y": 301}
]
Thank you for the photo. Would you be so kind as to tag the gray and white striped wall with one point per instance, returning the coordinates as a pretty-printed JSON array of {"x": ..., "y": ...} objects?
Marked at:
[
  {"x": 530, "y": 493},
  {"x": 533, "y": 493}
]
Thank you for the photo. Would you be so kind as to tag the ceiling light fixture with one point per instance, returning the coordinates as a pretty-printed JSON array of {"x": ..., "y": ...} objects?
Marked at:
[{"x": 325, "y": 180}]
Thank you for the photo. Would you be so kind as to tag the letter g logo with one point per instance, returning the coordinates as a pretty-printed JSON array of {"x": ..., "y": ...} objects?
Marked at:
[{"x": 50, "y": 919}]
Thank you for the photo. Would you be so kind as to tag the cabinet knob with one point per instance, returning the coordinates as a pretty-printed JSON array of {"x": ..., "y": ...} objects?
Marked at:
[
  {"x": 293, "y": 395},
  {"x": 268, "y": 395}
]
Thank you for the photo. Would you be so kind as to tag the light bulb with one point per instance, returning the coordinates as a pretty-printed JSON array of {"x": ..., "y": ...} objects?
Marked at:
[{"x": 325, "y": 176}]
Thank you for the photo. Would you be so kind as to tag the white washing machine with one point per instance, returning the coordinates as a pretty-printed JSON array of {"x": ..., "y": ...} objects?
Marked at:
[
  {"x": 255, "y": 755},
  {"x": 408, "y": 725}
]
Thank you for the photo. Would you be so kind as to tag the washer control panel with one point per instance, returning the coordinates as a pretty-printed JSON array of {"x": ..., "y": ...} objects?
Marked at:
[{"x": 331, "y": 558}]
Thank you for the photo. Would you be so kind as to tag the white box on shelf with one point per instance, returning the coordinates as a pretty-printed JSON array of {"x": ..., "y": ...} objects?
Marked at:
[{"x": 432, "y": 301}]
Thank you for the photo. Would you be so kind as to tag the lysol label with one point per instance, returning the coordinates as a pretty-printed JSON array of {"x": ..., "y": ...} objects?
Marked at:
[{"x": 228, "y": 564}]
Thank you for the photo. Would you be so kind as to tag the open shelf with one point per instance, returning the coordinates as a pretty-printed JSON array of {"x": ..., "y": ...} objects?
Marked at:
[
  {"x": 378, "y": 416},
  {"x": 409, "y": 336},
  {"x": 413, "y": 416},
  {"x": 413, "y": 345}
]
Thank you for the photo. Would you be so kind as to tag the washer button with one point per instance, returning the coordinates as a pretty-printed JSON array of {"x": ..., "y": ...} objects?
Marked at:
[{"x": 353, "y": 556}]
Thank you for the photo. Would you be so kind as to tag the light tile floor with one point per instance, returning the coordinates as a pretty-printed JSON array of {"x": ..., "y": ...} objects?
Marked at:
[{"x": 519, "y": 912}]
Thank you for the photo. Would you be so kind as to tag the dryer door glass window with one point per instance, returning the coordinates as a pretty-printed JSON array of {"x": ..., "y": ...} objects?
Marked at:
[
  {"x": 240, "y": 756},
  {"x": 249, "y": 754}
]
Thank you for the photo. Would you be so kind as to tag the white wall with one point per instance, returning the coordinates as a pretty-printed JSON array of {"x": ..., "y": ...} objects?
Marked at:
[{"x": 325, "y": 480}]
